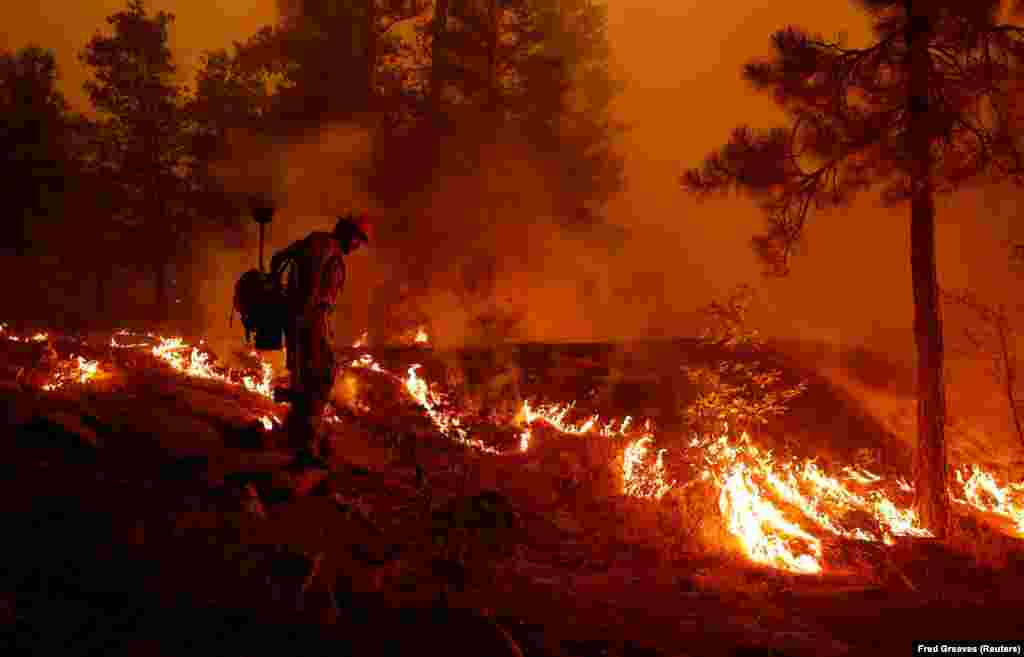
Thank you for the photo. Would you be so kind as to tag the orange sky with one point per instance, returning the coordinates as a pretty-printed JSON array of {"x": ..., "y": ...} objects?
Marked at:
[{"x": 681, "y": 63}]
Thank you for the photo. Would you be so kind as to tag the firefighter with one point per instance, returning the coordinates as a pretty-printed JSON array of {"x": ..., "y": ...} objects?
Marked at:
[{"x": 315, "y": 271}]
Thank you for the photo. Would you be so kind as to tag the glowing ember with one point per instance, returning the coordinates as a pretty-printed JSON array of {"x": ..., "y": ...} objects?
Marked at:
[
  {"x": 554, "y": 415},
  {"x": 263, "y": 386},
  {"x": 38, "y": 337},
  {"x": 776, "y": 508},
  {"x": 447, "y": 422},
  {"x": 367, "y": 361},
  {"x": 363, "y": 340},
  {"x": 639, "y": 479},
  {"x": 76, "y": 370},
  {"x": 87, "y": 369}
]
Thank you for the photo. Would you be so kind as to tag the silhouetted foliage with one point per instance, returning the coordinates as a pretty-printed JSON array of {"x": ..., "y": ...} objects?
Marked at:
[
  {"x": 328, "y": 60},
  {"x": 994, "y": 338},
  {"x": 849, "y": 118},
  {"x": 526, "y": 80},
  {"x": 33, "y": 135},
  {"x": 228, "y": 98},
  {"x": 140, "y": 102},
  {"x": 930, "y": 106},
  {"x": 736, "y": 394}
]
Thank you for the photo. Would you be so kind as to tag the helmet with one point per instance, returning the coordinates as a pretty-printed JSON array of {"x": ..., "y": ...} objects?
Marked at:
[{"x": 352, "y": 228}]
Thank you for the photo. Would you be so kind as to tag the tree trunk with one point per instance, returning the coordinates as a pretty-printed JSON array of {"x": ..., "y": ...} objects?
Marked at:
[
  {"x": 1009, "y": 372},
  {"x": 494, "y": 25},
  {"x": 370, "y": 41},
  {"x": 438, "y": 56},
  {"x": 932, "y": 491}
]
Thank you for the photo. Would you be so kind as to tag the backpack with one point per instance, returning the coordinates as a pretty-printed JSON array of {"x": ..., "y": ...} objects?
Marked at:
[{"x": 260, "y": 304}]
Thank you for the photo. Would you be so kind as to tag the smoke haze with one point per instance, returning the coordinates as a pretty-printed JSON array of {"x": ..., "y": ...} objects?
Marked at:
[{"x": 681, "y": 63}]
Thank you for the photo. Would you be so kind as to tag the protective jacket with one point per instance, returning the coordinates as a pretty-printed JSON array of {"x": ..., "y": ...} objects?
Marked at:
[{"x": 315, "y": 271}]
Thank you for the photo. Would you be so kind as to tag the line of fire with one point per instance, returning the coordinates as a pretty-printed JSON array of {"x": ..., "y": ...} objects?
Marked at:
[{"x": 373, "y": 327}]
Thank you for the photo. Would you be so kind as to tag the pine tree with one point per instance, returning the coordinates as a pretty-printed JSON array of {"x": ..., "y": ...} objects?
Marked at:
[
  {"x": 928, "y": 107},
  {"x": 140, "y": 103}
]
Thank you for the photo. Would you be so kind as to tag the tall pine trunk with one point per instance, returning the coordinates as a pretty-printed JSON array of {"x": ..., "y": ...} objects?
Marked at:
[
  {"x": 370, "y": 50},
  {"x": 493, "y": 37},
  {"x": 932, "y": 493},
  {"x": 438, "y": 57}
]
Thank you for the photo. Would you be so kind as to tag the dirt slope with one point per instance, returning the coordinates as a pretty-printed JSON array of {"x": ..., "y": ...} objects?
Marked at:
[{"x": 150, "y": 515}]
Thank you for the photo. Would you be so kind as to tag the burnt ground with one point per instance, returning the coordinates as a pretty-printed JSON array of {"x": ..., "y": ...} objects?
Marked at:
[{"x": 149, "y": 515}]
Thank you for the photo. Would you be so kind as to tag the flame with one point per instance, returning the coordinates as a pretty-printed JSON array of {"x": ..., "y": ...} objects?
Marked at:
[
  {"x": 447, "y": 422},
  {"x": 362, "y": 341},
  {"x": 524, "y": 439},
  {"x": 87, "y": 369},
  {"x": 756, "y": 490},
  {"x": 74, "y": 370},
  {"x": 983, "y": 492},
  {"x": 199, "y": 365},
  {"x": 263, "y": 386},
  {"x": 366, "y": 361},
  {"x": 777, "y": 509},
  {"x": 554, "y": 415},
  {"x": 38, "y": 337},
  {"x": 421, "y": 336},
  {"x": 766, "y": 535},
  {"x": 639, "y": 479}
]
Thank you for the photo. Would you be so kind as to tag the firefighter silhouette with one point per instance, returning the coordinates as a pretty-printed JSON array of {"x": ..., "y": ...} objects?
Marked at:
[{"x": 311, "y": 272}]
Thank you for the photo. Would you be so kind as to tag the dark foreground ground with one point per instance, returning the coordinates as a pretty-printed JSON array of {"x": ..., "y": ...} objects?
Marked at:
[{"x": 148, "y": 515}]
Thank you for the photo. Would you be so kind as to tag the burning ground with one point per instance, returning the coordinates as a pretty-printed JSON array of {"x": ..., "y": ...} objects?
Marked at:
[{"x": 544, "y": 491}]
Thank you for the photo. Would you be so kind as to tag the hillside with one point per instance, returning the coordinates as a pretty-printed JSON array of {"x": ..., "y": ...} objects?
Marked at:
[{"x": 152, "y": 512}]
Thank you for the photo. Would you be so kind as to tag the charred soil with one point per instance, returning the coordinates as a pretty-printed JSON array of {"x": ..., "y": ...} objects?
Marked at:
[{"x": 149, "y": 514}]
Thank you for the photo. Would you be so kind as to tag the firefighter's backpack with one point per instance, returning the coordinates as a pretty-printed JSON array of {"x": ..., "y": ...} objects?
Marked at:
[{"x": 260, "y": 303}]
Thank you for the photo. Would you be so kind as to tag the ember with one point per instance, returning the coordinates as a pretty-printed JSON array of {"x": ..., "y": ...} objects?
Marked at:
[
  {"x": 640, "y": 480},
  {"x": 772, "y": 506},
  {"x": 38, "y": 337},
  {"x": 447, "y": 422},
  {"x": 195, "y": 362},
  {"x": 76, "y": 370}
]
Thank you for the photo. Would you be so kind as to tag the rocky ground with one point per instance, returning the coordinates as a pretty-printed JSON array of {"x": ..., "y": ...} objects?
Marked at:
[{"x": 150, "y": 514}]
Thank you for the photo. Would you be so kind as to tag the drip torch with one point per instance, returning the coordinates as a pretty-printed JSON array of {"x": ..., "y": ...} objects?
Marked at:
[{"x": 262, "y": 214}]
